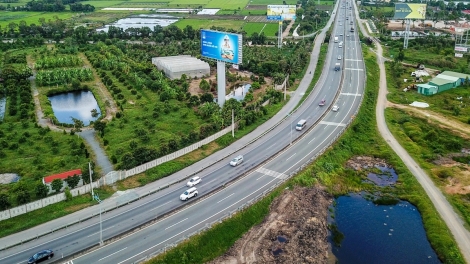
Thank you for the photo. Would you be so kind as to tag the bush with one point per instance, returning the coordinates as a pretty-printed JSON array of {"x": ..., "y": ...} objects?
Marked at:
[{"x": 444, "y": 173}]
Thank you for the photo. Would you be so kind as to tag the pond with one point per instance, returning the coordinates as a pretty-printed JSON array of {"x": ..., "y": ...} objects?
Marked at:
[
  {"x": 238, "y": 93},
  {"x": 380, "y": 234},
  {"x": 3, "y": 105},
  {"x": 78, "y": 104},
  {"x": 140, "y": 21}
]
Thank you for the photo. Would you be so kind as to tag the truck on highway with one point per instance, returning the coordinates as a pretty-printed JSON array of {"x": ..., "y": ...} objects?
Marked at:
[
  {"x": 336, "y": 39},
  {"x": 337, "y": 66}
]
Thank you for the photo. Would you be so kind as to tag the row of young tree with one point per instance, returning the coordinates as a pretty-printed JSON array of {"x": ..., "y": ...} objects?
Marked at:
[{"x": 51, "y": 6}]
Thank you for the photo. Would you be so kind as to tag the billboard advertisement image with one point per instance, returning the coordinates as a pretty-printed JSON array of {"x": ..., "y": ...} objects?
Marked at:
[
  {"x": 410, "y": 11},
  {"x": 221, "y": 46},
  {"x": 281, "y": 12}
]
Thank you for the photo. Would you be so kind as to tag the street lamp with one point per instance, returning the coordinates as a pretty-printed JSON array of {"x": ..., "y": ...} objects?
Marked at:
[
  {"x": 291, "y": 123},
  {"x": 97, "y": 198}
]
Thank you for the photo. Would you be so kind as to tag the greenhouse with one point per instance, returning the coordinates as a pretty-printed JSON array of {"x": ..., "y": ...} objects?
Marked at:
[{"x": 175, "y": 66}]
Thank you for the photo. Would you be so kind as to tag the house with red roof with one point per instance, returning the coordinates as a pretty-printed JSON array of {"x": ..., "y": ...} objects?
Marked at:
[{"x": 64, "y": 175}]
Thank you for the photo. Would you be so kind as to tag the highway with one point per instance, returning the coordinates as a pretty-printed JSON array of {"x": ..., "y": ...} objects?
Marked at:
[{"x": 267, "y": 162}]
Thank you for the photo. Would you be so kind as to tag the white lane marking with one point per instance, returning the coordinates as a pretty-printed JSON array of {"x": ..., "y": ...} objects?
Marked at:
[
  {"x": 291, "y": 156},
  {"x": 112, "y": 254},
  {"x": 260, "y": 177},
  {"x": 124, "y": 261},
  {"x": 226, "y": 197},
  {"x": 353, "y": 94},
  {"x": 353, "y": 69},
  {"x": 101, "y": 230},
  {"x": 332, "y": 123},
  {"x": 176, "y": 223},
  {"x": 271, "y": 173},
  {"x": 160, "y": 206},
  {"x": 311, "y": 141},
  {"x": 271, "y": 146}
]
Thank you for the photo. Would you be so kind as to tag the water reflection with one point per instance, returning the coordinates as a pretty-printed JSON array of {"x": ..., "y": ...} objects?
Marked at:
[
  {"x": 74, "y": 104},
  {"x": 140, "y": 21},
  {"x": 3, "y": 105},
  {"x": 387, "y": 178},
  {"x": 380, "y": 234}
]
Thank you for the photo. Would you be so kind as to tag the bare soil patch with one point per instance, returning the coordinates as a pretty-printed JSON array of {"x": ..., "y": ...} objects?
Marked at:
[
  {"x": 459, "y": 183},
  {"x": 300, "y": 217}
]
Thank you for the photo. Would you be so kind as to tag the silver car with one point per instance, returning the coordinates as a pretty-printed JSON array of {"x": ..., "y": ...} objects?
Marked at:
[
  {"x": 339, "y": 57},
  {"x": 237, "y": 160}
]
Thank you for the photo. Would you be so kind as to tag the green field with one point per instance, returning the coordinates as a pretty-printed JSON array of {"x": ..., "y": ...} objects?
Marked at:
[
  {"x": 207, "y": 23},
  {"x": 256, "y": 12},
  {"x": 227, "y": 4},
  {"x": 269, "y": 30},
  {"x": 103, "y": 4},
  {"x": 272, "y": 2},
  {"x": 7, "y": 17}
]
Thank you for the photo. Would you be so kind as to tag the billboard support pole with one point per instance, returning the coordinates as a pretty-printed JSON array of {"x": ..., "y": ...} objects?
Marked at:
[
  {"x": 220, "y": 83},
  {"x": 279, "y": 35},
  {"x": 407, "y": 34}
]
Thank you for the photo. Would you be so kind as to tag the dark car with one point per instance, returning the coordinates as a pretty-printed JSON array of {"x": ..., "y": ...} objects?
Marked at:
[
  {"x": 41, "y": 256},
  {"x": 322, "y": 102}
]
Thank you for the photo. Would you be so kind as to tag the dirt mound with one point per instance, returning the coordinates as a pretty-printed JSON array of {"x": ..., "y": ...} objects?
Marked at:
[
  {"x": 364, "y": 162},
  {"x": 295, "y": 231}
]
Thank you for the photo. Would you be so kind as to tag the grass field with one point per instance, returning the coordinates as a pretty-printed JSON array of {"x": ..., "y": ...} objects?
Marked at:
[
  {"x": 253, "y": 12},
  {"x": 31, "y": 17},
  {"x": 272, "y": 2},
  {"x": 227, "y": 4},
  {"x": 269, "y": 29},
  {"x": 206, "y": 23}
]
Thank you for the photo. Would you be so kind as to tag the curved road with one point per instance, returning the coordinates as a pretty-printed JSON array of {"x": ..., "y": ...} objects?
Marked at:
[
  {"x": 284, "y": 148},
  {"x": 453, "y": 221}
]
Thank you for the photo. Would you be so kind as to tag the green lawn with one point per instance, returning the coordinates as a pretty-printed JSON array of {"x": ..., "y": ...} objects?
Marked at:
[
  {"x": 253, "y": 12},
  {"x": 102, "y": 4},
  {"x": 206, "y": 23}
]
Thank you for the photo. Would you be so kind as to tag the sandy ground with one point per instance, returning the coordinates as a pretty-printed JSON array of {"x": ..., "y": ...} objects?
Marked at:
[{"x": 300, "y": 217}]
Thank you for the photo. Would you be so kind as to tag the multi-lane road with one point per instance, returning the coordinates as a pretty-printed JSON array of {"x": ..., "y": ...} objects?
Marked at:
[{"x": 267, "y": 162}]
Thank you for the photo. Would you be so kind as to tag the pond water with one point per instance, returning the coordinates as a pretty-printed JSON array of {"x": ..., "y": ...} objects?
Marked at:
[
  {"x": 76, "y": 104},
  {"x": 3, "y": 105},
  {"x": 238, "y": 93},
  {"x": 387, "y": 178},
  {"x": 140, "y": 21},
  {"x": 380, "y": 234}
]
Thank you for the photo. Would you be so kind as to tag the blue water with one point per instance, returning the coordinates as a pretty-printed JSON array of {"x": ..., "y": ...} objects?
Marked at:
[
  {"x": 3, "y": 105},
  {"x": 380, "y": 234},
  {"x": 74, "y": 104}
]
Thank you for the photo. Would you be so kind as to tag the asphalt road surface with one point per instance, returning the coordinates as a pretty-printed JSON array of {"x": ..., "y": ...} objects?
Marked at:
[{"x": 258, "y": 175}]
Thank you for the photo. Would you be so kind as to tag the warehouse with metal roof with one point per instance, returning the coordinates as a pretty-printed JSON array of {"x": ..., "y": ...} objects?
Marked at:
[
  {"x": 442, "y": 82},
  {"x": 175, "y": 66}
]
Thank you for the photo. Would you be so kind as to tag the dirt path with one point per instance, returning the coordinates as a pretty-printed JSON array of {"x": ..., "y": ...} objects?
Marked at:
[
  {"x": 286, "y": 31},
  {"x": 111, "y": 107},
  {"x": 463, "y": 130},
  {"x": 443, "y": 207}
]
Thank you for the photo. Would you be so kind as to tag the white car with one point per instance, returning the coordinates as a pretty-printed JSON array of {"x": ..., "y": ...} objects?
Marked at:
[
  {"x": 335, "y": 108},
  {"x": 189, "y": 193},
  {"x": 237, "y": 160},
  {"x": 193, "y": 181},
  {"x": 339, "y": 57}
]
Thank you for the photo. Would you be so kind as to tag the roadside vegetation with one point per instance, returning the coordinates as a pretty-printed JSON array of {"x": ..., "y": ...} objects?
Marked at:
[{"x": 362, "y": 138}]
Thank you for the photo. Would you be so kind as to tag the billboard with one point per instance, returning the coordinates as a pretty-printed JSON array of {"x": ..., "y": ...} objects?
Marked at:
[
  {"x": 459, "y": 55},
  {"x": 409, "y": 11},
  {"x": 281, "y": 12},
  {"x": 221, "y": 46},
  {"x": 463, "y": 49}
]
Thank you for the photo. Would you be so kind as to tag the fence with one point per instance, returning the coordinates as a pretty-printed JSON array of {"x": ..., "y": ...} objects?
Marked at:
[{"x": 110, "y": 178}]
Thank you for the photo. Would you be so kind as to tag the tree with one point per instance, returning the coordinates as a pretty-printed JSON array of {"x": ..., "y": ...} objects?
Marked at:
[
  {"x": 41, "y": 190},
  {"x": 94, "y": 113},
  {"x": 77, "y": 124},
  {"x": 73, "y": 181},
  {"x": 255, "y": 85},
  {"x": 204, "y": 85},
  {"x": 22, "y": 194},
  {"x": 57, "y": 184},
  {"x": 4, "y": 201}
]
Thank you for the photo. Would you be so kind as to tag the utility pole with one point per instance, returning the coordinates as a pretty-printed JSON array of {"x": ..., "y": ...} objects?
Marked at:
[
  {"x": 233, "y": 125},
  {"x": 91, "y": 185}
]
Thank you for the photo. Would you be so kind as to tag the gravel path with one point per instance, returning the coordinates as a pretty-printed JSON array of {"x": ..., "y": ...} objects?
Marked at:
[
  {"x": 445, "y": 210},
  {"x": 101, "y": 159}
]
